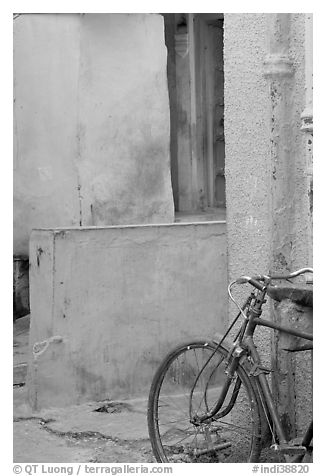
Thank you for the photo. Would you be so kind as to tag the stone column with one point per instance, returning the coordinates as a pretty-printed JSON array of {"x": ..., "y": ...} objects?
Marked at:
[
  {"x": 288, "y": 218},
  {"x": 307, "y": 116},
  {"x": 266, "y": 192},
  {"x": 304, "y": 368},
  {"x": 247, "y": 149},
  {"x": 279, "y": 73}
]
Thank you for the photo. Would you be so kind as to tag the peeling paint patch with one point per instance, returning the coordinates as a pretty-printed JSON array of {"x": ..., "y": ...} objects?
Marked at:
[
  {"x": 310, "y": 195},
  {"x": 38, "y": 255},
  {"x": 280, "y": 259}
]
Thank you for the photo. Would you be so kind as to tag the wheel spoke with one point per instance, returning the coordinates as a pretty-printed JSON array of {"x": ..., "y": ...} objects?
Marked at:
[
  {"x": 174, "y": 421},
  {"x": 191, "y": 380}
]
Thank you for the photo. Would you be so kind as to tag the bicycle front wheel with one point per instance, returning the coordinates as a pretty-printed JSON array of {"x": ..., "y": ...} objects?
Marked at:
[{"x": 188, "y": 383}]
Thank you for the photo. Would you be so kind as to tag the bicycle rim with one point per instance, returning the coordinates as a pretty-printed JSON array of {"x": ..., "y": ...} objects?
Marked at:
[{"x": 189, "y": 382}]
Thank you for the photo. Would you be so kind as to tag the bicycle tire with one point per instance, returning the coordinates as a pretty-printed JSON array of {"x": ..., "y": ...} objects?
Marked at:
[{"x": 177, "y": 439}]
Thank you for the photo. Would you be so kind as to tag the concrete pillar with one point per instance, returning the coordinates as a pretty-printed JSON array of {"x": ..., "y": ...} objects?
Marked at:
[
  {"x": 247, "y": 151},
  {"x": 266, "y": 169},
  {"x": 304, "y": 361},
  {"x": 307, "y": 116},
  {"x": 279, "y": 72},
  {"x": 291, "y": 245}
]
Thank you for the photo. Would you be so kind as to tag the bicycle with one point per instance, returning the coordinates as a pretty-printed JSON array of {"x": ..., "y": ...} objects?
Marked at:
[{"x": 210, "y": 400}]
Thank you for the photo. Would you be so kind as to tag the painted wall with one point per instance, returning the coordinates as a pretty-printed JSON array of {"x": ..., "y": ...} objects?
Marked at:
[
  {"x": 268, "y": 222},
  {"x": 91, "y": 130},
  {"x": 108, "y": 303}
]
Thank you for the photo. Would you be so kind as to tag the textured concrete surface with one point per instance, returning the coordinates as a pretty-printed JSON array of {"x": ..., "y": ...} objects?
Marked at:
[
  {"x": 107, "y": 303},
  {"x": 32, "y": 443},
  {"x": 267, "y": 193},
  {"x": 91, "y": 122},
  {"x": 247, "y": 140},
  {"x": 124, "y": 121},
  {"x": 247, "y": 144}
]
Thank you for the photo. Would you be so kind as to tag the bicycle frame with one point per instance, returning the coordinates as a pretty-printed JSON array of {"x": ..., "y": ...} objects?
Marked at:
[
  {"x": 244, "y": 345},
  {"x": 254, "y": 320}
]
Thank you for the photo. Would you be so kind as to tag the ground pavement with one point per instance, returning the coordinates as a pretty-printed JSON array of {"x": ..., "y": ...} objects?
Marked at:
[{"x": 98, "y": 432}]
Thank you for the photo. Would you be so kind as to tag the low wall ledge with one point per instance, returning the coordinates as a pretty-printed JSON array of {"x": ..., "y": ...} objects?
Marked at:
[{"x": 117, "y": 227}]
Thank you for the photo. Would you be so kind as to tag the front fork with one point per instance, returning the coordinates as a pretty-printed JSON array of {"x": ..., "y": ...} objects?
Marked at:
[
  {"x": 230, "y": 371},
  {"x": 234, "y": 357}
]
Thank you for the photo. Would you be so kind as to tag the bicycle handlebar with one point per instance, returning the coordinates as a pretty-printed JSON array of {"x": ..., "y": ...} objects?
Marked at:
[
  {"x": 255, "y": 280},
  {"x": 294, "y": 274},
  {"x": 261, "y": 282}
]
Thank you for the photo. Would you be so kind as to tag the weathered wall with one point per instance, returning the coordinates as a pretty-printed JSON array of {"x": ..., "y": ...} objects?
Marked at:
[
  {"x": 268, "y": 223},
  {"x": 300, "y": 52},
  {"x": 247, "y": 141},
  {"x": 91, "y": 132},
  {"x": 107, "y": 303},
  {"x": 46, "y": 59}
]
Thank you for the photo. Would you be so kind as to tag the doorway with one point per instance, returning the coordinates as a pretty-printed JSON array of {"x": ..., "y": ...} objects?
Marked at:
[{"x": 196, "y": 91}]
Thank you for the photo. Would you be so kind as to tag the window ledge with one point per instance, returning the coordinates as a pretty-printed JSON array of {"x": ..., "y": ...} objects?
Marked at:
[{"x": 211, "y": 214}]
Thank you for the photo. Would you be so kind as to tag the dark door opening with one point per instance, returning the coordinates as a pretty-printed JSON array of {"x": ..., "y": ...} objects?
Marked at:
[{"x": 196, "y": 92}]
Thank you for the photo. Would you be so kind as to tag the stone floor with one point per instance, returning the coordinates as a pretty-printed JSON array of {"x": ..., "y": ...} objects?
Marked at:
[{"x": 76, "y": 434}]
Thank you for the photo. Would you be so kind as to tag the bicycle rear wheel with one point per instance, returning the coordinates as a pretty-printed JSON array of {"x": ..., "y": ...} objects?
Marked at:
[{"x": 183, "y": 387}]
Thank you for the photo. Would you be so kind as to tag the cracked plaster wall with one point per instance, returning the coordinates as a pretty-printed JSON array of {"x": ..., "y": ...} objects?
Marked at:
[{"x": 91, "y": 122}]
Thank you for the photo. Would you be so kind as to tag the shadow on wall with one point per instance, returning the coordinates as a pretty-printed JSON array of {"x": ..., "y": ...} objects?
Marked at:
[{"x": 21, "y": 286}]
